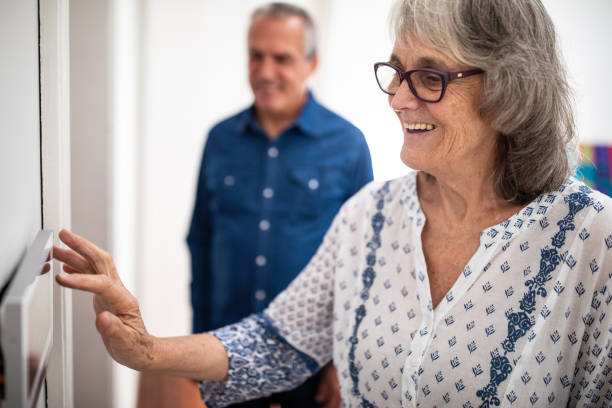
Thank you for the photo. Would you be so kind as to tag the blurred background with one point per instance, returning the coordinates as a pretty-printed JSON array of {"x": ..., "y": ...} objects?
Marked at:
[{"x": 148, "y": 80}]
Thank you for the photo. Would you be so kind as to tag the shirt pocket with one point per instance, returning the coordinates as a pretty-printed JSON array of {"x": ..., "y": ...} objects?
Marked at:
[
  {"x": 231, "y": 187},
  {"x": 317, "y": 188}
]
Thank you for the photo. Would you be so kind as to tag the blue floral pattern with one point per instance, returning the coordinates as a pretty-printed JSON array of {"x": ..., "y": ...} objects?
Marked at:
[
  {"x": 261, "y": 364},
  {"x": 378, "y": 221},
  {"x": 520, "y": 323}
]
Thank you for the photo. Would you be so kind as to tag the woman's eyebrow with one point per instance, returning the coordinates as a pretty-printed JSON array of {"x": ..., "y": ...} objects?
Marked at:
[
  {"x": 393, "y": 59},
  {"x": 428, "y": 62},
  {"x": 423, "y": 62}
]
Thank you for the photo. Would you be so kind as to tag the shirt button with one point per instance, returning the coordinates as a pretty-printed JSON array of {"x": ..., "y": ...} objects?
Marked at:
[
  {"x": 268, "y": 192},
  {"x": 273, "y": 152},
  {"x": 264, "y": 225},
  {"x": 260, "y": 294},
  {"x": 260, "y": 260},
  {"x": 313, "y": 184},
  {"x": 229, "y": 180}
]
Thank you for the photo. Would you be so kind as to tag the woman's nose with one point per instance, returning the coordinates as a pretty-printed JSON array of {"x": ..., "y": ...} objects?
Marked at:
[{"x": 404, "y": 98}]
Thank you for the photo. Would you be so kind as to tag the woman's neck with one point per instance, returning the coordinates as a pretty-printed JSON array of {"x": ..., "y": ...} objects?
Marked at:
[{"x": 463, "y": 199}]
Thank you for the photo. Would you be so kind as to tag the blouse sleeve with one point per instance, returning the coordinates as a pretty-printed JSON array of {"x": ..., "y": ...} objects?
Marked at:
[{"x": 280, "y": 348}]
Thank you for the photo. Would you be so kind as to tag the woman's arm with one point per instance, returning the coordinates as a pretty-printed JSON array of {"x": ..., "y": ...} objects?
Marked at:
[{"x": 118, "y": 319}]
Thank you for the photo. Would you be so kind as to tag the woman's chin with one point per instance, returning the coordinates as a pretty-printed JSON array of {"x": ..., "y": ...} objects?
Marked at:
[{"x": 414, "y": 159}]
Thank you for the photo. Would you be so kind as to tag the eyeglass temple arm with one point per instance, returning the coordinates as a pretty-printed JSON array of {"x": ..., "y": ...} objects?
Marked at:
[{"x": 463, "y": 74}]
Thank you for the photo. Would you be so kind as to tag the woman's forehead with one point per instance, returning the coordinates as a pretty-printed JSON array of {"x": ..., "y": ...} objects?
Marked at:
[{"x": 415, "y": 53}]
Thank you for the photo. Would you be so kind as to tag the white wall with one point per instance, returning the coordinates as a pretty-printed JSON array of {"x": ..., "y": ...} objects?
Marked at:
[
  {"x": 180, "y": 66},
  {"x": 358, "y": 36},
  {"x": 90, "y": 139},
  {"x": 20, "y": 214},
  {"x": 585, "y": 31},
  {"x": 125, "y": 171}
]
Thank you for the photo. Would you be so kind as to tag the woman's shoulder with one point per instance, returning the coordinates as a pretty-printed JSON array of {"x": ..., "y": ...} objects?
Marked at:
[
  {"x": 580, "y": 196},
  {"x": 589, "y": 210}
]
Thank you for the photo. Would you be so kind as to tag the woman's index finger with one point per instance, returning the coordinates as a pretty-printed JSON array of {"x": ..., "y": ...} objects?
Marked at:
[
  {"x": 70, "y": 257},
  {"x": 83, "y": 247}
]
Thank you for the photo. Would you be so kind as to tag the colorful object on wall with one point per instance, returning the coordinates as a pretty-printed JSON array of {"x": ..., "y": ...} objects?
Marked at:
[{"x": 596, "y": 167}]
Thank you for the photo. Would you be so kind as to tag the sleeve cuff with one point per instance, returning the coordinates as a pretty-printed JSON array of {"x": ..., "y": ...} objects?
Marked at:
[{"x": 261, "y": 363}]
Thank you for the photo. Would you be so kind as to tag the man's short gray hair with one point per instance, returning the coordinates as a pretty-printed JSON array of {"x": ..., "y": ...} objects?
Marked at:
[
  {"x": 284, "y": 10},
  {"x": 526, "y": 96}
]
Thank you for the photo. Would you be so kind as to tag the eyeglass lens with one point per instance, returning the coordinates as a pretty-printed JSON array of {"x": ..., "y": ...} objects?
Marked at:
[{"x": 426, "y": 85}]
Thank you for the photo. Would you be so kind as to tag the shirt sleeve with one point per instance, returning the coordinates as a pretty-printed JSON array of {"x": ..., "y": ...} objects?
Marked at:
[
  {"x": 198, "y": 243},
  {"x": 291, "y": 340}
]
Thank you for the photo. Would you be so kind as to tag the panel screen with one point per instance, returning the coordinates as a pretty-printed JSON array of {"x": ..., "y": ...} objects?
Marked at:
[{"x": 26, "y": 323}]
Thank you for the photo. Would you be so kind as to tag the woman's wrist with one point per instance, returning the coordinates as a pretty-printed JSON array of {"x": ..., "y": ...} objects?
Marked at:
[
  {"x": 199, "y": 356},
  {"x": 156, "y": 356}
]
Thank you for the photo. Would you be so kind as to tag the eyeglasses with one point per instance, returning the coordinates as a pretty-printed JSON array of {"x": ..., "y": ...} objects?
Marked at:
[{"x": 426, "y": 84}]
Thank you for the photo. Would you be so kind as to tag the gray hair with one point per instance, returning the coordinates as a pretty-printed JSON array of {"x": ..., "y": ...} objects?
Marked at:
[
  {"x": 284, "y": 10},
  {"x": 526, "y": 96}
]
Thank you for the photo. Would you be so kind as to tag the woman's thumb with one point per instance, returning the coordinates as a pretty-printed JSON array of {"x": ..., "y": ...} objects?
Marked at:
[{"x": 108, "y": 324}]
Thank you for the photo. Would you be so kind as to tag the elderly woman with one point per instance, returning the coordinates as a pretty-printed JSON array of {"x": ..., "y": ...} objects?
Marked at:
[{"x": 480, "y": 279}]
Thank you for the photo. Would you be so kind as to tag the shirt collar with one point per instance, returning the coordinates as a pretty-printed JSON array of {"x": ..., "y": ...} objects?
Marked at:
[{"x": 305, "y": 121}]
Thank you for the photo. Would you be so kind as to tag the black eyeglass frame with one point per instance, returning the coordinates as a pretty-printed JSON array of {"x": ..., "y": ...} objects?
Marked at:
[{"x": 405, "y": 75}]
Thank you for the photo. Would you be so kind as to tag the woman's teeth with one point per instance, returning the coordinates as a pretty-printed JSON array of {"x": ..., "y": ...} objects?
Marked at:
[{"x": 419, "y": 126}]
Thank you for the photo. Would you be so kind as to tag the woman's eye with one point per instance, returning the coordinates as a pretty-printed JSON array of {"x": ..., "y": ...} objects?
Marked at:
[{"x": 432, "y": 81}]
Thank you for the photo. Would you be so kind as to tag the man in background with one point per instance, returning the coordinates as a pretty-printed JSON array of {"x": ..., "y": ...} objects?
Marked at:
[{"x": 272, "y": 178}]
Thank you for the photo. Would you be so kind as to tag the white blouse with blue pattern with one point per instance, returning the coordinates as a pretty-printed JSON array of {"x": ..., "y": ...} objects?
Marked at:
[{"x": 526, "y": 324}]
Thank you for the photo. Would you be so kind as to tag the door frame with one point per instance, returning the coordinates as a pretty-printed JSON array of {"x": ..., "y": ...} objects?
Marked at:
[{"x": 54, "y": 54}]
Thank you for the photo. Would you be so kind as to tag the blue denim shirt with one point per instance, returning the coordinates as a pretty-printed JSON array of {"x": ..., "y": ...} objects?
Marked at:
[{"x": 262, "y": 207}]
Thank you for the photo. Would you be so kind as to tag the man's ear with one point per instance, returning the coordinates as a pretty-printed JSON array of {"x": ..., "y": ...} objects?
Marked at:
[{"x": 314, "y": 63}]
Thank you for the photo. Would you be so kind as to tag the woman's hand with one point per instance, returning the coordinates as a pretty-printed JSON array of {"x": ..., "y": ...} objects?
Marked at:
[{"x": 118, "y": 318}]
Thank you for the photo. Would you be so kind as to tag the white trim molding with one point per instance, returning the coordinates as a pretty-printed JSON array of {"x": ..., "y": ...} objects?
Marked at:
[{"x": 55, "y": 147}]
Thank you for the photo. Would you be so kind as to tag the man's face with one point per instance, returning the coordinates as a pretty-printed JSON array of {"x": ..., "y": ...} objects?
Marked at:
[{"x": 278, "y": 67}]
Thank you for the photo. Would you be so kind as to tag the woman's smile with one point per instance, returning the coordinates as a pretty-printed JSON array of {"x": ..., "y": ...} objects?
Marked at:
[{"x": 418, "y": 127}]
